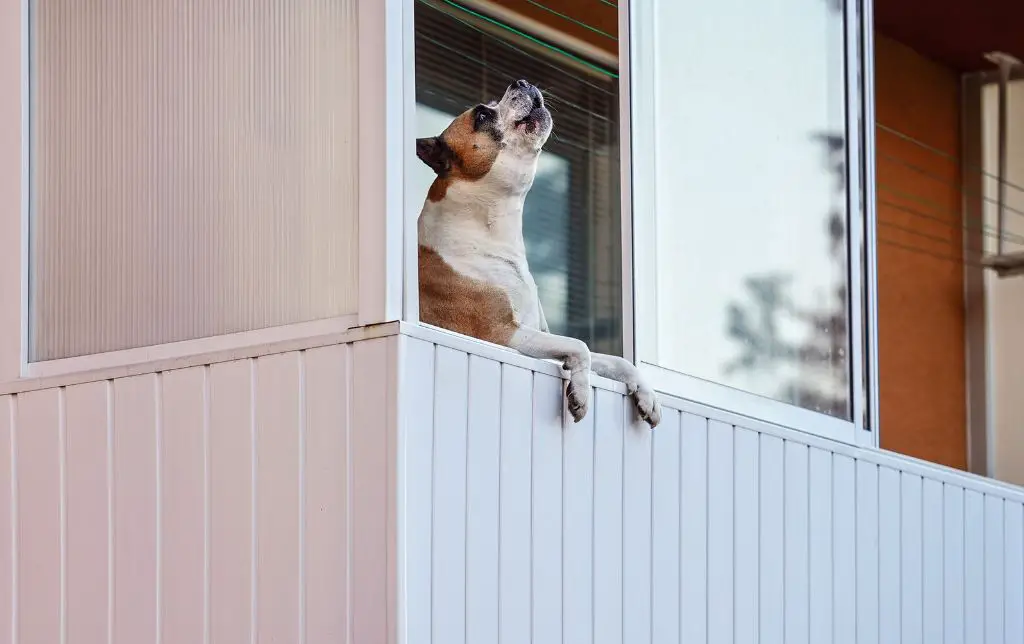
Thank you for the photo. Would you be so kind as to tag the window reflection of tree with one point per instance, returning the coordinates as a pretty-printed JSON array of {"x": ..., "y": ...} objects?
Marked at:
[{"x": 819, "y": 385}]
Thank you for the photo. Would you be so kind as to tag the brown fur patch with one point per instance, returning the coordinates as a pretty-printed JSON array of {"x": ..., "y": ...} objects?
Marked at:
[
  {"x": 438, "y": 189},
  {"x": 461, "y": 304},
  {"x": 475, "y": 152}
]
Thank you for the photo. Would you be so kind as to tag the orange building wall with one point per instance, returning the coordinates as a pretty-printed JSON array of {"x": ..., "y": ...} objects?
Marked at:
[{"x": 920, "y": 274}]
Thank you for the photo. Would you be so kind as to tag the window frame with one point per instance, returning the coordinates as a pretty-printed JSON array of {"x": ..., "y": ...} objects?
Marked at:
[
  {"x": 636, "y": 64},
  {"x": 384, "y": 28},
  {"x": 863, "y": 430}
]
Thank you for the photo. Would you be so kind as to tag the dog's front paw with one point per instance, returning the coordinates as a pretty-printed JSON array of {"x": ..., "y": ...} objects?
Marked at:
[
  {"x": 577, "y": 394},
  {"x": 647, "y": 406}
]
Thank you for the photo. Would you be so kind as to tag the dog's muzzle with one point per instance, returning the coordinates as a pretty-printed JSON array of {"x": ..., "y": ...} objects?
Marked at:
[{"x": 526, "y": 104}]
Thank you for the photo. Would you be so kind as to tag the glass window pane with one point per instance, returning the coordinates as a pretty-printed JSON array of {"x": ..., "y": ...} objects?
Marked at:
[
  {"x": 571, "y": 223},
  {"x": 750, "y": 285},
  {"x": 193, "y": 169}
]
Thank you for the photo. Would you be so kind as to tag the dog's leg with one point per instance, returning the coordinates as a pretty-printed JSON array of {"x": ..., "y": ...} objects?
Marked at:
[
  {"x": 624, "y": 371},
  {"x": 575, "y": 357}
]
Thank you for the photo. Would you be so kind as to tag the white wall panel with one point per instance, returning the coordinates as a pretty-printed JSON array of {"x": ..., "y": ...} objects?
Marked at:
[
  {"x": 709, "y": 528},
  {"x": 208, "y": 504},
  {"x": 607, "y": 408}
]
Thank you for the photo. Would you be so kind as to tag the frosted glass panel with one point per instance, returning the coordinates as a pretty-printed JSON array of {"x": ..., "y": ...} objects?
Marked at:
[{"x": 193, "y": 169}]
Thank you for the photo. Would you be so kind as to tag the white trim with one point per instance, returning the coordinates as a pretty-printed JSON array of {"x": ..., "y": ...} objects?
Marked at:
[
  {"x": 413, "y": 201},
  {"x": 866, "y": 26},
  {"x": 748, "y": 404},
  {"x": 186, "y": 348},
  {"x": 382, "y": 143},
  {"x": 26, "y": 173},
  {"x": 639, "y": 94},
  {"x": 197, "y": 358},
  {"x": 629, "y": 351},
  {"x": 13, "y": 179}
]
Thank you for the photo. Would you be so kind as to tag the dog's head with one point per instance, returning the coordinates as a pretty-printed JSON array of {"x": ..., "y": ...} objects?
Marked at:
[{"x": 494, "y": 144}]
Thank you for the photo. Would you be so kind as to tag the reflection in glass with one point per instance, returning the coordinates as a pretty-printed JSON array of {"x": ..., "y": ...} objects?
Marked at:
[{"x": 750, "y": 207}]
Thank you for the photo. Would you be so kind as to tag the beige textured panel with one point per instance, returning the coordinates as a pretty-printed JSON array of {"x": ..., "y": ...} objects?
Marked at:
[
  {"x": 7, "y": 522},
  {"x": 193, "y": 169},
  {"x": 88, "y": 512},
  {"x": 326, "y": 493},
  {"x": 232, "y": 470},
  {"x": 278, "y": 498},
  {"x": 183, "y": 505},
  {"x": 38, "y": 529},
  {"x": 135, "y": 497}
]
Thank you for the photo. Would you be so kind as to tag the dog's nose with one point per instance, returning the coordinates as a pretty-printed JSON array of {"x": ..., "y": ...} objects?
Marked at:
[{"x": 521, "y": 84}]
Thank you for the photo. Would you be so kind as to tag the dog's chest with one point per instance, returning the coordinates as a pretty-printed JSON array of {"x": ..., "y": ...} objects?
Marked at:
[{"x": 483, "y": 254}]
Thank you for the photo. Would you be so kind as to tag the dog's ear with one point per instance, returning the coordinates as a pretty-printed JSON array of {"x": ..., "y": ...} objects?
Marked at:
[{"x": 435, "y": 153}]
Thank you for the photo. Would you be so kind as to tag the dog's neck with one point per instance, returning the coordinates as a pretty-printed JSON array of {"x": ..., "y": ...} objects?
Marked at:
[{"x": 473, "y": 212}]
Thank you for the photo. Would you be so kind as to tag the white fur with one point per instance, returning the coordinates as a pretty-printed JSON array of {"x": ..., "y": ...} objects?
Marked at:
[{"x": 477, "y": 228}]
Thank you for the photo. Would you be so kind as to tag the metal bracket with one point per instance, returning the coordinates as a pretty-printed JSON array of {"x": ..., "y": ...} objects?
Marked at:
[{"x": 1005, "y": 264}]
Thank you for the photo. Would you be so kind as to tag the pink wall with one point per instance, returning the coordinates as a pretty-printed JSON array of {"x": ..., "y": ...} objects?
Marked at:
[{"x": 213, "y": 503}]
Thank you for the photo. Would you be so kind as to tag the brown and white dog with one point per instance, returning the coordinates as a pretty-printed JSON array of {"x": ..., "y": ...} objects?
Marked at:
[{"x": 473, "y": 274}]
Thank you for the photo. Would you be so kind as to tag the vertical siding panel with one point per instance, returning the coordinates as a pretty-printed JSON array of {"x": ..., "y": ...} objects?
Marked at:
[
  {"x": 578, "y": 525},
  {"x": 666, "y": 530},
  {"x": 932, "y": 561},
  {"x": 514, "y": 492},
  {"x": 38, "y": 520},
  {"x": 483, "y": 462},
  {"x": 974, "y": 567},
  {"x": 720, "y": 532},
  {"x": 994, "y": 572},
  {"x": 954, "y": 557},
  {"x": 867, "y": 553},
  {"x": 796, "y": 548},
  {"x": 844, "y": 553},
  {"x": 325, "y": 574},
  {"x": 820, "y": 543},
  {"x": 746, "y": 490},
  {"x": 693, "y": 614},
  {"x": 183, "y": 506},
  {"x": 1014, "y": 566},
  {"x": 889, "y": 564},
  {"x": 87, "y": 512},
  {"x": 547, "y": 509},
  {"x": 135, "y": 509},
  {"x": 372, "y": 418},
  {"x": 636, "y": 528},
  {"x": 7, "y": 525},
  {"x": 417, "y": 454},
  {"x": 278, "y": 501},
  {"x": 608, "y": 513},
  {"x": 911, "y": 571},
  {"x": 449, "y": 525},
  {"x": 772, "y": 572},
  {"x": 231, "y": 478}
]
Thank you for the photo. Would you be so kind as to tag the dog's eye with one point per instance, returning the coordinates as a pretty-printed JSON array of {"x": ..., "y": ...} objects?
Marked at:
[{"x": 482, "y": 116}]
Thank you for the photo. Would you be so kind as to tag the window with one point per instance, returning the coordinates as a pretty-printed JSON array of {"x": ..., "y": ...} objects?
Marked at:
[
  {"x": 746, "y": 207},
  {"x": 571, "y": 218},
  {"x": 193, "y": 170}
]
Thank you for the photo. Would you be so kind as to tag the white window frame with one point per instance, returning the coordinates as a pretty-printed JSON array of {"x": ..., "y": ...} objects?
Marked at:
[
  {"x": 638, "y": 225},
  {"x": 385, "y": 52},
  {"x": 863, "y": 430}
]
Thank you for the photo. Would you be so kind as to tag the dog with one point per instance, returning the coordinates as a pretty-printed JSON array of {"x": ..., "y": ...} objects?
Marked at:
[{"x": 473, "y": 274}]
